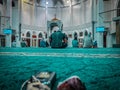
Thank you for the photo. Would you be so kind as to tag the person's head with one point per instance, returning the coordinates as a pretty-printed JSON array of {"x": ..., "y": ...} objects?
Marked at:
[
  {"x": 86, "y": 33},
  {"x": 89, "y": 34},
  {"x": 73, "y": 83},
  {"x": 75, "y": 38},
  {"x": 56, "y": 28}
]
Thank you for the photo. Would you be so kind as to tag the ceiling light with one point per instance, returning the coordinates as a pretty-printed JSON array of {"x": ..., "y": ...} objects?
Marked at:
[
  {"x": 67, "y": 1},
  {"x": 46, "y": 2}
]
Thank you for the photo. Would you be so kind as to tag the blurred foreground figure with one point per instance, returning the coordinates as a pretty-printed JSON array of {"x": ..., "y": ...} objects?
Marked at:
[
  {"x": 72, "y": 83},
  {"x": 35, "y": 84}
]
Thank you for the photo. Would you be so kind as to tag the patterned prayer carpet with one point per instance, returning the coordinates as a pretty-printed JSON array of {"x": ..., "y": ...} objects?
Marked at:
[{"x": 98, "y": 68}]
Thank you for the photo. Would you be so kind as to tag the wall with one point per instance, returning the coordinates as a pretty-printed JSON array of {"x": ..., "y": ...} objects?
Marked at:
[
  {"x": 74, "y": 18},
  {"x": 1, "y": 14},
  {"x": 15, "y": 17},
  {"x": 70, "y": 16}
]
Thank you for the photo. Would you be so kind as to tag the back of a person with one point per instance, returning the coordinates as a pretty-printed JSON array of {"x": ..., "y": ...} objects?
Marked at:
[
  {"x": 42, "y": 43},
  {"x": 14, "y": 44},
  {"x": 75, "y": 43},
  {"x": 23, "y": 44},
  {"x": 87, "y": 42},
  {"x": 57, "y": 38}
]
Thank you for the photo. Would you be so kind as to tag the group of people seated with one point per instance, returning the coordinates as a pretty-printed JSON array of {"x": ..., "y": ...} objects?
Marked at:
[
  {"x": 87, "y": 41},
  {"x": 23, "y": 43},
  {"x": 56, "y": 40},
  {"x": 60, "y": 40}
]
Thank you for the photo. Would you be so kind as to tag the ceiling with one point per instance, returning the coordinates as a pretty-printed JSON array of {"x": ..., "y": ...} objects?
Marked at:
[{"x": 53, "y": 3}]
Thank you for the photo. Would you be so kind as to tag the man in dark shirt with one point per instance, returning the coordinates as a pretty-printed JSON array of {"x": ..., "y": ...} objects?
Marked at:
[{"x": 57, "y": 40}]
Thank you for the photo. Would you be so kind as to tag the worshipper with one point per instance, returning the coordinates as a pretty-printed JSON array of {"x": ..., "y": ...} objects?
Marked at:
[
  {"x": 94, "y": 44},
  {"x": 75, "y": 35},
  {"x": 23, "y": 43},
  {"x": 87, "y": 41},
  {"x": 47, "y": 43},
  {"x": 42, "y": 43},
  {"x": 72, "y": 83},
  {"x": 57, "y": 39},
  {"x": 14, "y": 43},
  {"x": 75, "y": 42}
]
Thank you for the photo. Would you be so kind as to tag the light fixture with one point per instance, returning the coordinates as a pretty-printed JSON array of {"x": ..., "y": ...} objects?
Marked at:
[
  {"x": 47, "y": 3},
  {"x": 67, "y": 1}
]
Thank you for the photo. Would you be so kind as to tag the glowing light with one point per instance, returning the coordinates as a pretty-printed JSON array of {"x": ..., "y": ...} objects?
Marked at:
[
  {"x": 47, "y": 3},
  {"x": 68, "y": 1}
]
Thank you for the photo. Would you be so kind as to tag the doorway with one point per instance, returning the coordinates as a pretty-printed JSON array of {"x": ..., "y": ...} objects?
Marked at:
[
  {"x": 118, "y": 24},
  {"x": 104, "y": 39},
  {"x": 28, "y": 42}
]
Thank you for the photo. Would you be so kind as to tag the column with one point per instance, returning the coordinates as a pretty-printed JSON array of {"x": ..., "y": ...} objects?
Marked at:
[
  {"x": 34, "y": 12},
  {"x": 71, "y": 13},
  {"x": 9, "y": 22},
  {"x": 18, "y": 31},
  {"x": 100, "y": 19},
  {"x": 82, "y": 12},
  {"x": 34, "y": 17},
  {"x": 109, "y": 42}
]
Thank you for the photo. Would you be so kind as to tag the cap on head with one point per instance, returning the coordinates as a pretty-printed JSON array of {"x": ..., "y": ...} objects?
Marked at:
[{"x": 56, "y": 28}]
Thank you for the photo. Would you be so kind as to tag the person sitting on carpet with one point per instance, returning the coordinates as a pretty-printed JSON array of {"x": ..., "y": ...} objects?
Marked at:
[
  {"x": 72, "y": 83},
  {"x": 58, "y": 39},
  {"x": 75, "y": 41}
]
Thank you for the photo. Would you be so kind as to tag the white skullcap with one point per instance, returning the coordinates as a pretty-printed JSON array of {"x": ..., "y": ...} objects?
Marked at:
[{"x": 56, "y": 28}]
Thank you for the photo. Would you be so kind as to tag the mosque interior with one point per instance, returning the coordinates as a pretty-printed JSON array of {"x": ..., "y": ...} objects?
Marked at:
[{"x": 34, "y": 20}]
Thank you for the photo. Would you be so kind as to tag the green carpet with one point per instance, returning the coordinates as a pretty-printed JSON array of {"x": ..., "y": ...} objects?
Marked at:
[{"x": 98, "y": 68}]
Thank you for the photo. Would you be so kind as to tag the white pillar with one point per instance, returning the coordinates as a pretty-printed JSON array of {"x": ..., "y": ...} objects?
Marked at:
[
  {"x": 31, "y": 41},
  {"x": 36, "y": 42},
  {"x": 109, "y": 42},
  {"x": 34, "y": 12},
  {"x": 100, "y": 19},
  {"x": 18, "y": 29},
  {"x": 9, "y": 23},
  {"x": 17, "y": 40},
  {"x": 8, "y": 40},
  {"x": 71, "y": 13}
]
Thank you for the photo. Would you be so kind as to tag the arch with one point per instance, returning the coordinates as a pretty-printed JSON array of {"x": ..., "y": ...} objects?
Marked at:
[
  {"x": 40, "y": 35},
  {"x": 28, "y": 34}
]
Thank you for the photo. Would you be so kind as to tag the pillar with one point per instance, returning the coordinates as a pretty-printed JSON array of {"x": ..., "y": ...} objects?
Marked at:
[
  {"x": 100, "y": 19},
  {"x": 18, "y": 29},
  {"x": 9, "y": 22}
]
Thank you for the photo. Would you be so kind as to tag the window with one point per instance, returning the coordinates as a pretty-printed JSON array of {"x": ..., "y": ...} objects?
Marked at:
[
  {"x": 81, "y": 34},
  {"x": 70, "y": 35}
]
